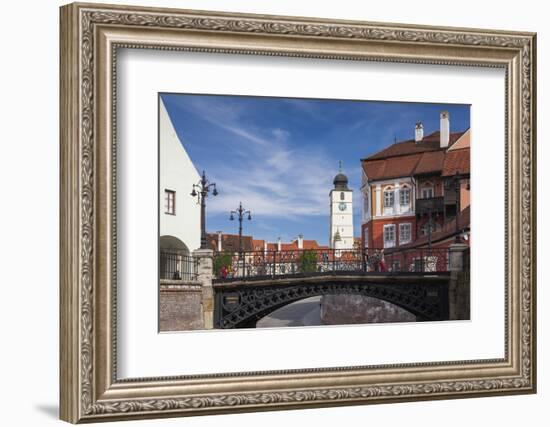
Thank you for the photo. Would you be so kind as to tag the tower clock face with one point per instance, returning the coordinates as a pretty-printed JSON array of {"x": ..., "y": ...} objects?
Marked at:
[{"x": 342, "y": 206}]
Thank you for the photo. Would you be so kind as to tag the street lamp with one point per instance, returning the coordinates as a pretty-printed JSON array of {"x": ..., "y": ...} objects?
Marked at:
[
  {"x": 203, "y": 187},
  {"x": 241, "y": 213}
]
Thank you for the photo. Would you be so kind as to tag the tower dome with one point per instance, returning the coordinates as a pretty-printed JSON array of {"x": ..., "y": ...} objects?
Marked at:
[{"x": 340, "y": 182}]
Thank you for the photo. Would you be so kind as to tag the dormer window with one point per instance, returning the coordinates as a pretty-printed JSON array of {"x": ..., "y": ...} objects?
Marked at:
[
  {"x": 427, "y": 193},
  {"x": 427, "y": 190}
]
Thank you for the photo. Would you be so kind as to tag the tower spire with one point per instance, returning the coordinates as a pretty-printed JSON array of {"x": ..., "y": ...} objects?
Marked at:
[{"x": 340, "y": 166}]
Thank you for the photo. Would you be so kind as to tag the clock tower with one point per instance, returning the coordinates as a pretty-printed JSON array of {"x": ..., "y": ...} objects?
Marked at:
[{"x": 341, "y": 213}]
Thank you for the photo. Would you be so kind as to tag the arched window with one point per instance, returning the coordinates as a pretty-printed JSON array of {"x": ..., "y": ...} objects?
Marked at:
[
  {"x": 404, "y": 195},
  {"x": 342, "y": 196},
  {"x": 389, "y": 197}
]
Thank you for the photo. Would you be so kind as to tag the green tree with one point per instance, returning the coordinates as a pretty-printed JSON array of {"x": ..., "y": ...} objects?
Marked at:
[
  {"x": 308, "y": 261},
  {"x": 221, "y": 260}
]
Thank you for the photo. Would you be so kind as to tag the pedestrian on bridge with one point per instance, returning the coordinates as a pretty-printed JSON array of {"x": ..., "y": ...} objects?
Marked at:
[
  {"x": 382, "y": 263},
  {"x": 223, "y": 272}
]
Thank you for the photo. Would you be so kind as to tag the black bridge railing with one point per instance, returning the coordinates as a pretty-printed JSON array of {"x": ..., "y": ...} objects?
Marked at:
[
  {"x": 175, "y": 266},
  {"x": 309, "y": 262}
]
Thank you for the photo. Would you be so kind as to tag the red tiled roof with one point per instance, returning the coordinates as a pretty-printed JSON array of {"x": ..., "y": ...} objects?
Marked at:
[
  {"x": 258, "y": 245},
  {"x": 410, "y": 158},
  {"x": 456, "y": 161},
  {"x": 410, "y": 146},
  {"x": 376, "y": 168},
  {"x": 230, "y": 242},
  {"x": 311, "y": 244},
  {"x": 392, "y": 167},
  {"x": 431, "y": 161},
  {"x": 289, "y": 246},
  {"x": 212, "y": 241}
]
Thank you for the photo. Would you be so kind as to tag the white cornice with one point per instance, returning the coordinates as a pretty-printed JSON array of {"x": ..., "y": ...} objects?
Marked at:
[{"x": 390, "y": 181}]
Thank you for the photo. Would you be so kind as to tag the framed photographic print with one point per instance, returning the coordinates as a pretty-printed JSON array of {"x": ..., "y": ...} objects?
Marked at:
[{"x": 264, "y": 212}]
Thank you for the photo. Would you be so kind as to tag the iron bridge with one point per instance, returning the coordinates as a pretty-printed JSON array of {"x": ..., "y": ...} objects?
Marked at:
[{"x": 241, "y": 303}]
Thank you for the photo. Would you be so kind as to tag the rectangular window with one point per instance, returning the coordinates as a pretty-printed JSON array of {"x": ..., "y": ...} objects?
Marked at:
[
  {"x": 427, "y": 193},
  {"x": 404, "y": 233},
  {"x": 389, "y": 236},
  {"x": 388, "y": 198},
  {"x": 404, "y": 196},
  {"x": 169, "y": 202},
  {"x": 366, "y": 237},
  {"x": 365, "y": 206}
]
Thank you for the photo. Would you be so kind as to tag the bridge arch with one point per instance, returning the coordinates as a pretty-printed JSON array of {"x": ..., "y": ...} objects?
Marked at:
[{"x": 243, "y": 306}]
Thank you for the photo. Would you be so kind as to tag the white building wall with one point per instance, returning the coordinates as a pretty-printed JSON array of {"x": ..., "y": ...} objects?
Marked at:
[
  {"x": 396, "y": 210},
  {"x": 341, "y": 221},
  {"x": 177, "y": 173}
]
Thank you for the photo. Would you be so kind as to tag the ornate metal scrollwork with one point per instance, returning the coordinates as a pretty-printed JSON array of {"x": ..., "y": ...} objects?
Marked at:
[{"x": 426, "y": 301}]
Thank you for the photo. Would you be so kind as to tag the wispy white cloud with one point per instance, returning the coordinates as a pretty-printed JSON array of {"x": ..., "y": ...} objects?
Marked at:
[
  {"x": 276, "y": 177},
  {"x": 288, "y": 184}
]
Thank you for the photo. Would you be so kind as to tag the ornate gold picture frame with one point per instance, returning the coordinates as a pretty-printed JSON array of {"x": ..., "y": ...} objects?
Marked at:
[{"x": 91, "y": 35}]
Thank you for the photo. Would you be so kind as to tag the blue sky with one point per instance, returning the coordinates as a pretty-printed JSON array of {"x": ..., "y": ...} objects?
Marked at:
[{"x": 279, "y": 155}]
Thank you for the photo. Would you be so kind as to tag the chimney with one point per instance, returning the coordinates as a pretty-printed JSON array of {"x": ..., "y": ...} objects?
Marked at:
[
  {"x": 300, "y": 241},
  {"x": 279, "y": 244},
  {"x": 444, "y": 129},
  {"x": 265, "y": 247},
  {"x": 219, "y": 241},
  {"x": 418, "y": 132}
]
